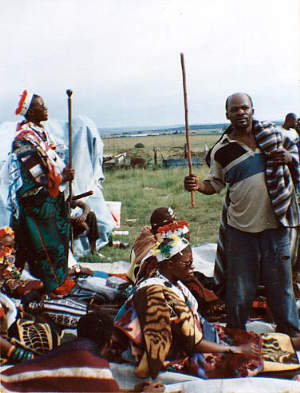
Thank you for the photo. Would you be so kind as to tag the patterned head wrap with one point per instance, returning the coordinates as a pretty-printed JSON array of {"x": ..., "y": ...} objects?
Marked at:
[
  {"x": 170, "y": 246},
  {"x": 24, "y": 103}
]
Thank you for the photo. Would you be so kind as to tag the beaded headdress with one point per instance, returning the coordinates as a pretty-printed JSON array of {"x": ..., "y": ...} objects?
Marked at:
[
  {"x": 24, "y": 103},
  {"x": 4, "y": 231},
  {"x": 172, "y": 244}
]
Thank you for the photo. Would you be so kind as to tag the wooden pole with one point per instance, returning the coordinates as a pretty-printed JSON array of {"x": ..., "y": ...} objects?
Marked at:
[
  {"x": 69, "y": 94},
  {"x": 189, "y": 156},
  {"x": 83, "y": 195}
]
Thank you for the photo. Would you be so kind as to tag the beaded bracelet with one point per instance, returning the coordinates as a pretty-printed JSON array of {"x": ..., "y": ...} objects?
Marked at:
[{"x": 20, "y": 355}]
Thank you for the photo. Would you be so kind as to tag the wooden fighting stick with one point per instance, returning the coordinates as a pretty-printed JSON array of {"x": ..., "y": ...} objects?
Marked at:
[{"x": 189, "y": 156}]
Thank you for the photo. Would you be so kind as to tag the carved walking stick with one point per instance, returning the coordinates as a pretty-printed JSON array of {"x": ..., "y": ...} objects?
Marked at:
[
  {"x": 189, "y": 156},
  {"x": 69, "y": 94}
]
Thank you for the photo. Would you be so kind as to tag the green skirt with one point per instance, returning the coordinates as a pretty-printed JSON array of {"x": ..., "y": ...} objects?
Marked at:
[{"x": 42, "y": 238}]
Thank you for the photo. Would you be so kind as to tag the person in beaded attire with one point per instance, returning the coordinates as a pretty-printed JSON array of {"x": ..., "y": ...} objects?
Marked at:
[{"x": 39, "y": 212}]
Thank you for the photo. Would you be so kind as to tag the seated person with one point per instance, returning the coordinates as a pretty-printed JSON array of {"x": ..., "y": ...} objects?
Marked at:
[
  {"x": 98, "y": 327},
  {"x": 163, "y": 222},
  {"x": 159, "y": 326},
  {"x": 11, "y": 282},
  {"x": 85, "y": 224},
  {"x": 77, "y": 366},
  {"x": 14, "y": 285}
]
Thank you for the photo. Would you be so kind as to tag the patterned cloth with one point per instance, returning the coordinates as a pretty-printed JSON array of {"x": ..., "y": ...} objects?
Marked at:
[
  {"x": 162, "y": 325},
  {"x": 62, "y": 312},
  {"x": 148, "y": 239},
  {"x": 40, "y": 217},
  {"x": 280, "y": 182},
  {"x": 35, "y": 337},
  {"x": 74, "y": 367},
  {"x": 142, "y": 245},
  {"x": 39, "y": 337}
]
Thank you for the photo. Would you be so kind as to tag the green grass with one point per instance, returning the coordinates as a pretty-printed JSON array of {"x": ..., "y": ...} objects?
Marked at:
[{"x": 142, "y": 191}]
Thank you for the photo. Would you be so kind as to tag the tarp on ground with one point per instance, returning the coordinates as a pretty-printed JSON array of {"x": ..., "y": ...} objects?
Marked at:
[{"x": 87, "y": 147}]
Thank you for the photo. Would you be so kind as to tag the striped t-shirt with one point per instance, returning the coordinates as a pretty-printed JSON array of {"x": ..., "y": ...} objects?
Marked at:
[{"x": 243, "y": 169}]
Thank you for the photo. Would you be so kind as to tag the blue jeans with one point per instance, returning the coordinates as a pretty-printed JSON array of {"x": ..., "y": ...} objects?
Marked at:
[{"x": 254, "y": 258}]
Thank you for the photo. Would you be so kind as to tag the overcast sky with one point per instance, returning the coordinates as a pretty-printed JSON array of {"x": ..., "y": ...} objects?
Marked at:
[{"x": 121, "y": 58}]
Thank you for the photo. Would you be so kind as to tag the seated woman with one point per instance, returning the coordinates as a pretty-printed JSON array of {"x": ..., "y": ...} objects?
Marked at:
[
  {"x": 11, "y": 282},
  {"x": 163, "y": 223},
  {"x": 164, "y": 330},
  {"x": 162, "y": 220}
]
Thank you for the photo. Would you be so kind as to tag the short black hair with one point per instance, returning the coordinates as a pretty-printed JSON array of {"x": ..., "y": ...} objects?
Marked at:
[
  {"x": 228, "y": 99},
  {"x": 291, "y": 116},
  {"x": 96, "y": 326}
]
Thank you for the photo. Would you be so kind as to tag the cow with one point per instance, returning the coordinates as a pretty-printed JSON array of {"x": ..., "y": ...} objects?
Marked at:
[{"x": 138, "y": 162}]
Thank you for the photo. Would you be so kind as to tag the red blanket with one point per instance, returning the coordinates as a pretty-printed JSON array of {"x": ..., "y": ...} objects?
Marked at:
[{"x": 73, "y": 367}]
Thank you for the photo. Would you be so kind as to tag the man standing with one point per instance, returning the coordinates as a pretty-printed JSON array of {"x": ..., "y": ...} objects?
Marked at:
[
  {"x": 259, "y": 208},
  {"x": 40, "y": 217},
  {"x": 289, "y": 127}
]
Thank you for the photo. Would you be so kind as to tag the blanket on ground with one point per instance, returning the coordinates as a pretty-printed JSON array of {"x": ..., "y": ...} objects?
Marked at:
[
  {"x": 74, "y": 367},
  {"x": 162, "y": 326}
]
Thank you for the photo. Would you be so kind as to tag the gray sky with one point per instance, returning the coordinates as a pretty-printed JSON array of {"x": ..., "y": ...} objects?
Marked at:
[{"x": 121, "y": 58}]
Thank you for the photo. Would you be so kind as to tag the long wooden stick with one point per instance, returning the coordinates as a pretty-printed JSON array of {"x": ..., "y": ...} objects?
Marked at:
[
  {"x": 189, "y": 156},
  {"x": 69, "y": 94},
  {"x": 83, "y": 195}
]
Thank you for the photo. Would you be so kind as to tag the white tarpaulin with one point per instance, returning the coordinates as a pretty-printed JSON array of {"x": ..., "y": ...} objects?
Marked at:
[{"x": 87, "y": 147}]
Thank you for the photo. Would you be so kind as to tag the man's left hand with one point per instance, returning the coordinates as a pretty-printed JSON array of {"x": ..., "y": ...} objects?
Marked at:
[{"x": 281, "y": 157}]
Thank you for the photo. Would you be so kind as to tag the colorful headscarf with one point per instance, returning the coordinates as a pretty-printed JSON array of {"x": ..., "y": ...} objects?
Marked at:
[
  {"x": 24, "y": 103},
  {"x": 171, "y": 245}
]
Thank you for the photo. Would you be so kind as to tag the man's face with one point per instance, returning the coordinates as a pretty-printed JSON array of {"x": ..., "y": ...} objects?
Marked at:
[
  {"x": 39, "y": 111},
  {"x": 240, "y": 111},
  {"x": 292, "y": 122}
]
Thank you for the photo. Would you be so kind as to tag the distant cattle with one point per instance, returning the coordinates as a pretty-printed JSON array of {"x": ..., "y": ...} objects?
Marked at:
[
  {"x": 120, "y": 160},
  {"x": 138, "y": 162},
  {"x": 115, "y": 162}
]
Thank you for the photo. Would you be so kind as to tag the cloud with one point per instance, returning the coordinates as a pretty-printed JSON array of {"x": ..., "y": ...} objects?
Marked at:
[{"x": 121, "y": 57}]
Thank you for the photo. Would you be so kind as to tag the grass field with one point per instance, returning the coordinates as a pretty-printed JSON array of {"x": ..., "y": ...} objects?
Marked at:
[
  {"x": 167, "y": 145},
  {"x": 142, "y": 191}
]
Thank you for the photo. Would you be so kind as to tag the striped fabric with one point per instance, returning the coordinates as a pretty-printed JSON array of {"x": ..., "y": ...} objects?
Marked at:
[
  {"x": 280, "y": 181},
  {"x": 73, "y": 367},
  {"x": 62, "y": 312}
]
